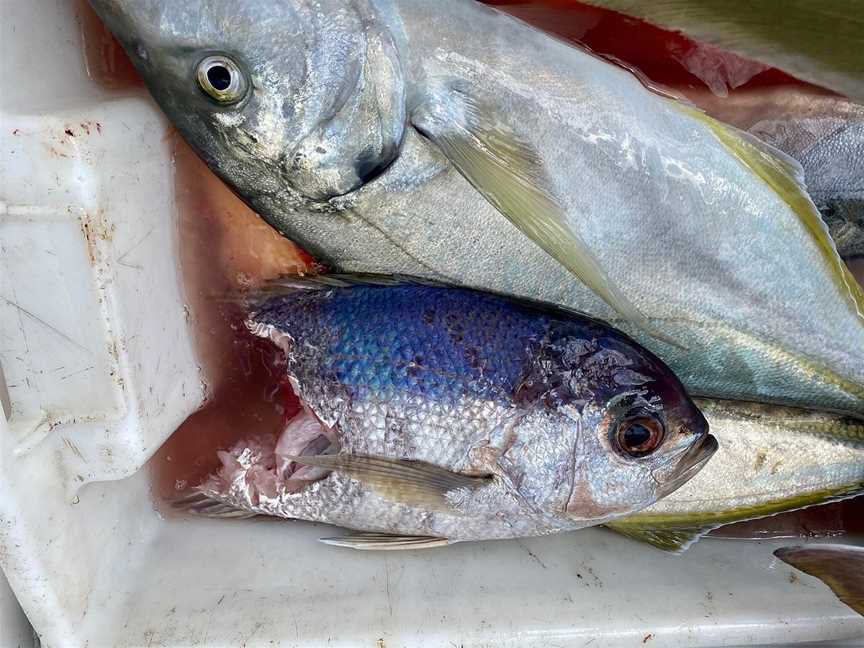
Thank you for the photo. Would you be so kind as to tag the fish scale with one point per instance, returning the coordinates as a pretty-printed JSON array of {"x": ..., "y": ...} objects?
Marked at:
[{"x": 452, "y": 356}]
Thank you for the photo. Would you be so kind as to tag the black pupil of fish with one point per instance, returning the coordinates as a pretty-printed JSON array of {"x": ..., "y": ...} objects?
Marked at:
[
  {"x": 219, "y": 77},
  {"x": 636, "y": 436}
]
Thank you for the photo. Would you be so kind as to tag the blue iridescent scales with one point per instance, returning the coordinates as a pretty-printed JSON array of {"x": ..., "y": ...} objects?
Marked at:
[{"x": 434, "y": 342}]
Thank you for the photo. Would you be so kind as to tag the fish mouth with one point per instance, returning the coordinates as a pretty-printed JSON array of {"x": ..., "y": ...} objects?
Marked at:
[{"x": 690, "y": 464}]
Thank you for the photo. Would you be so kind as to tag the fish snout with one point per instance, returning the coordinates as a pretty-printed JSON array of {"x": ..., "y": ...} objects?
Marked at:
[
  {"x": 687, "y": 465},
  {"x": 694, "y": 424}
]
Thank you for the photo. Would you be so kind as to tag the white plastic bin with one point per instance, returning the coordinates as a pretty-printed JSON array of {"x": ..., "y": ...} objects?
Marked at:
[
  {"x": 99, "y": 370},
  {"x": 15, "y": 631}
]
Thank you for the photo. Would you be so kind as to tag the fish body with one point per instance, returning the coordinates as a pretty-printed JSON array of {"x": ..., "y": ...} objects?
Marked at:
[
  {"x": 830, "y": 149},
  {"x": 449, "y": 141},
  {"x": 771, "y": 460},
  {"x": 456, "y": 415},
  {"x": 824, "y": 133}
]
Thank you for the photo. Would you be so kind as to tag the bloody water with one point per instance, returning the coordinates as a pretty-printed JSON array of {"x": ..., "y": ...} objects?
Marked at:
[
  {"x": 225, "y": 247},
  {"x": 655, "y": 53},
  {"x": 104, "y": 58}
]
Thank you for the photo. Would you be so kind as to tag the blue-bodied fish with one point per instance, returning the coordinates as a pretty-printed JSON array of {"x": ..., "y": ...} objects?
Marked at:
[
  {"x": 450, "y": 141},
  {"x": 435, "y": 415}
]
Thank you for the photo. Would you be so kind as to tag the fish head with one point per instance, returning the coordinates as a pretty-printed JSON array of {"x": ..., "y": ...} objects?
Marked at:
[
  {"x": 301, "y": 100},
  {"x": 627, "y": 433}
]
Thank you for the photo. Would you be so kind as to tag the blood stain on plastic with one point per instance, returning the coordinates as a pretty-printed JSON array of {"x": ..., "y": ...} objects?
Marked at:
[
  {"x": 224, "y": 248},
  {"x": 106, "y": 62}
]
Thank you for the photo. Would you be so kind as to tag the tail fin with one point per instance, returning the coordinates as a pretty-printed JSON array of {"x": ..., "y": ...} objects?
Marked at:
[{"x": 840, "y": 567}]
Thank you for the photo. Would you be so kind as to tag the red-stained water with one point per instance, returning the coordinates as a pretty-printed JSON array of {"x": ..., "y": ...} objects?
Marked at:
[
  {"x": 224, "y": 247},
  {"x": 655, "y": 52},
  {"x": 106, "y": 62}
]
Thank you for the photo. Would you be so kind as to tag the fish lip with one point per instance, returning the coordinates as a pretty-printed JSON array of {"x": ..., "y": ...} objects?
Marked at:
[{"x": 690, "y": 464}]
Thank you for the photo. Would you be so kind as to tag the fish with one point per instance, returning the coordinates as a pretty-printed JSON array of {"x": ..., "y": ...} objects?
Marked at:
[
  {"x": 831, "y": 152},
  {"x": 840, "y": 567},
  {"x": 771, "y": 460},
  {"x": 824, "y": 133},
  {"x": 435, "y": 414},
  {"x": 819, "y": 42},
  {"x": 408, "y": 137}
]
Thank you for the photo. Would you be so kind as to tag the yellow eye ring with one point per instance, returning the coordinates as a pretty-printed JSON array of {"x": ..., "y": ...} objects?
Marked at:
[{"x": 221, "y": 79}]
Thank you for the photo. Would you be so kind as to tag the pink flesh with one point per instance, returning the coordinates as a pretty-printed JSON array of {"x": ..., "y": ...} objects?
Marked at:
[
  {"x": 301, "y": 436},
  {"x": 263, "y": 469}
]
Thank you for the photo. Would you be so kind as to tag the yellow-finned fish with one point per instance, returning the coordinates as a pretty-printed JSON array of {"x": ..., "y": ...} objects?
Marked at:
[
  {"x": 771, "y": 460},
  {"x": 450, "y": 141}
]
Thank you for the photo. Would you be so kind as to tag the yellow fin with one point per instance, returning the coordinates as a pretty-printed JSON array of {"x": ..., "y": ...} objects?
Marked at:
[
  {"x": 785, "y": 177},
  {"x": 672, "y": 539},
  {"x": 677, "y": 531},
  {"x": 509, "y": 173},
  {"x": 401, "y": 480},
  {"x": 840, "y": 567}
]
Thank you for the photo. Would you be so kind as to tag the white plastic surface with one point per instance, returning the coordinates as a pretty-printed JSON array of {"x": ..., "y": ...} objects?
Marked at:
[
  {"x": 15, "y": 630},
  {"x": 99, "y": 369}
]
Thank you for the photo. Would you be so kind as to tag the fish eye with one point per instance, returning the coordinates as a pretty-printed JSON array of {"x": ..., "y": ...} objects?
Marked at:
[
  {"x": 221, "y": 79},
  {"x": 639, "y": 436}
]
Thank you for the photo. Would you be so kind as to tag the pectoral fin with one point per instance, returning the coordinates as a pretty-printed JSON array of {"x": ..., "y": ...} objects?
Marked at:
[
  {"x": 364, "y": 541},
  {"x": 673, "y": 539},
  {"x": 409, "y": 482},
  {"x": 509, "y": 173}
]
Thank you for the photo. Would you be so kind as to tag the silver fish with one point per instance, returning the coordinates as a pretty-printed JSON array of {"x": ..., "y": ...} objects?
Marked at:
[
  {"x": 449, "y": 141},
  {"x": 822, "y": 132},
  {"x": 438, "y": 414},
  {"x": 831, "y": 151},
  {"x": 771, "y": 460}
]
